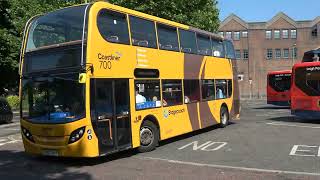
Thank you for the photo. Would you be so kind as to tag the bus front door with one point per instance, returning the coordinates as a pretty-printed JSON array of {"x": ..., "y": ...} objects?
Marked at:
[{"x": 111, "y": 114}]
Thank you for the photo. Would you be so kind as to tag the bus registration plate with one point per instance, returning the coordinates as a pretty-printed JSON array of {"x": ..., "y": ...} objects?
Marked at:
[{"x": 49, "y": 152}]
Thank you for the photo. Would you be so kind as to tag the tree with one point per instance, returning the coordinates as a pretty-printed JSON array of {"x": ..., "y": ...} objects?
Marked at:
[
  {"x": 14, "y": 14},
  {"x": 202, "y": 14}
]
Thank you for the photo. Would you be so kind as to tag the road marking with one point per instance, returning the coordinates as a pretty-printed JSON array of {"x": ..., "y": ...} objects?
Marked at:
[
  {"x": 231, "y": 167},
  {"x": 292, "y": 125},
  {"x": 312, "y": 151},
  {"x": 205, "y": 146},
  {"x": 9, "y": 125},
  {"x": 10, "y": 139}
]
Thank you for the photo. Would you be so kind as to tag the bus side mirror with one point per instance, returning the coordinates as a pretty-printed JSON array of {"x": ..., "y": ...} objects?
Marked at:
[{"x": 82, "y": 78}]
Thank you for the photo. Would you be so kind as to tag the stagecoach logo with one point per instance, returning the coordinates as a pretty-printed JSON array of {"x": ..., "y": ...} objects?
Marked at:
[
  {"x": 167, "y": 113},
  {"x": 315, "y": 68}
]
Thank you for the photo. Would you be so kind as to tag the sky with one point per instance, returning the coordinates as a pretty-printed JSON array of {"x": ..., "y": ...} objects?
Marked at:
[{"x": 264, "y": 10}]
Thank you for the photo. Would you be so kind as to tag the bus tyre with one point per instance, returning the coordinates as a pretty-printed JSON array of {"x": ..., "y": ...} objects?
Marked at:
[
  {"x": 149, "y": 136},
  {"x": 224, "y": 117}
]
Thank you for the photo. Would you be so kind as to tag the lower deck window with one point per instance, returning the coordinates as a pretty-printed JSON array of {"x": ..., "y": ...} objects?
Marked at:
[{"x": 147, "y": 94}]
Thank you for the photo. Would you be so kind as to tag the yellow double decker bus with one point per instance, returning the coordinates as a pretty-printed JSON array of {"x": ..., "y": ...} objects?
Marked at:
[{"x": 98, "y": 78}]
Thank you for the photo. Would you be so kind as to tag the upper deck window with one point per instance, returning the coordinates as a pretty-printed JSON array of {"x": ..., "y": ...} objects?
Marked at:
[
  {"x": 113, "y": 26},
  {"x": 143, "y": 32},
  {"x": 168, "y": 37},
  {"x": 217, "y": 48},
  {"x": 62, "y": 26},
  {"x": 204, "y": 45},
  {"x": 188, "y": 41}
]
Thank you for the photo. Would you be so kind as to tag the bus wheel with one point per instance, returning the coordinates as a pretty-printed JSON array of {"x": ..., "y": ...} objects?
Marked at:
[
  {"x": 149, "y": 137},
  {"x": 224, "y": 117}
]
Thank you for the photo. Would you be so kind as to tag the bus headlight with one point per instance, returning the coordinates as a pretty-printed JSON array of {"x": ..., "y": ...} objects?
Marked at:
[
  {"x": 27, "y": 134},
  {"x": 77, "y": 134}
]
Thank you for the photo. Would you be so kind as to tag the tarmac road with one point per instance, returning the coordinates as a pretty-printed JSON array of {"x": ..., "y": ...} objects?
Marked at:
[{"x": 267, "y": 143}]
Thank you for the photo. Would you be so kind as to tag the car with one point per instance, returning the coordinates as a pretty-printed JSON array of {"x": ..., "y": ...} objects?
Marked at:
[{"x": 6, "y": 114}]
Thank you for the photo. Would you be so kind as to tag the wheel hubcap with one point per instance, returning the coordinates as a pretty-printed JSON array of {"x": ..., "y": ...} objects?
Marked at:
[
  {"x": 224, "y": 118},
  {"x": 146, "y": 136}
]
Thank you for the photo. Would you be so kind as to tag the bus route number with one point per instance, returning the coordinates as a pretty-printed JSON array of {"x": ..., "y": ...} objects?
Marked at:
[{"x": 105, "y": 65}]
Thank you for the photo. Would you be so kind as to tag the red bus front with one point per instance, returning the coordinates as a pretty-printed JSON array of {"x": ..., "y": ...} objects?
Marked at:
[
  {"x": 305, "y": 91},
  {"x": 278, "y": 87}
]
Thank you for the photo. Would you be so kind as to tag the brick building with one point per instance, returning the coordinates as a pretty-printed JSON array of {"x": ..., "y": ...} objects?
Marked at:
[{"x": 268, "y": 46}]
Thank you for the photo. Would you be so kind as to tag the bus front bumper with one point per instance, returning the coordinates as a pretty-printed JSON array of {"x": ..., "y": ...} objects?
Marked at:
[{"x": 306, "y": 114}]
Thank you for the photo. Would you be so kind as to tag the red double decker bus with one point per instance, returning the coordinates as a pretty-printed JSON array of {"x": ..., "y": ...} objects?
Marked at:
[
  {"x": 278, "y": 87},
  {"x": 305, "y": 91}
]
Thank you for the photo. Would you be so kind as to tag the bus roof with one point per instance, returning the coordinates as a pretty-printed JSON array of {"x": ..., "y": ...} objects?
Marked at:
[
  {"x": 280, "y": 72},
  {"x": 307, "y": 64},
  {"x": 157, "y": 19}
]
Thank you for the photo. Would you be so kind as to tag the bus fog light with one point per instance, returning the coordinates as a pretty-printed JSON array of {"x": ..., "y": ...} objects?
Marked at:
[
  {"x": 27, "y": 134},
  {"x": 76, "y": 135}
]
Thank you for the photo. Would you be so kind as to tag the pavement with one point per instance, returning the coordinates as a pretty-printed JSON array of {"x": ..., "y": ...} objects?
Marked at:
[{"x": 267, "y": 143}]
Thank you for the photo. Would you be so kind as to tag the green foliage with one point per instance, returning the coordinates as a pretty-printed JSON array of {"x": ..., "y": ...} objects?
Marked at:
[
  {"x": 13, "y": 102},
  {"x": 14, "y": 14},
  {"x": 202, "y": 14}
]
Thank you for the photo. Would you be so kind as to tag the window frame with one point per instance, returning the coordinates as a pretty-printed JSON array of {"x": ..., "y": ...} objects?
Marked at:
[
  {"x": 180, "y": 42},
  {"x": 154, "y": 28},
  {"x": 184, "y": 91},
  {"x": 200, "y": 35},
  {"x": 267, "y": 33},
  {"x": 245, "y": 51},
  {"x": 276, "y": 32},
  {"x": 158, "y": 39},
  {"x": 278, "y": 50},
  {"x": 267, "y": 54},
  {"x": 244, "y": 32},
  {"x": 283, "y": 55},
  {"x": 127, "y": 23},
  {"x": 295, "y": 34},
  {"x": 160, "y": 94},
  {"x": 201, "y": 90},
  {"x": 227, "y": 37},
  {"x": 215, "y": 86},
  {"x": 285, "y": 35},
  {"x": 240, "y": 56},
  {"x": 236, "y": 35}
]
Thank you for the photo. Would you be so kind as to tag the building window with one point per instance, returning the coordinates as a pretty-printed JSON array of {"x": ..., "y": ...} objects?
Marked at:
[
  {"x": 228, "y": 35},
  {"x": 295, "y": 53},
  {"x": 238, "y": 54},
  {"x": 278, "y": 53},
  {"x": 244, "y": 34},
  {"x": 286, "y": 53},
  {"x": 293, "y": 34},
  {"x": 236, "y": 35},
  {"x": 221, "y": 33},
  {"x": 276, "y": 34},
  {"x": 245, "y": 54},
  {"x": 285, "y": 34},
  {"x": 268, "y": 34},
  {"x": 269, "y": 54},
  {"x": 314, "y": 32}
]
